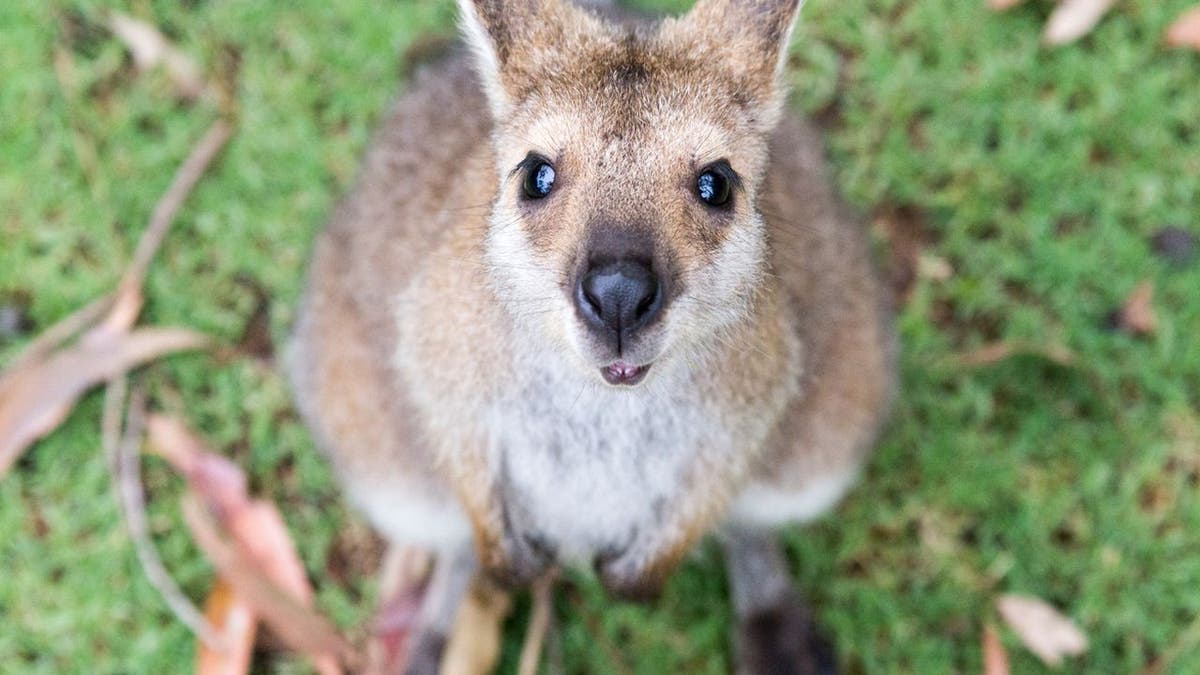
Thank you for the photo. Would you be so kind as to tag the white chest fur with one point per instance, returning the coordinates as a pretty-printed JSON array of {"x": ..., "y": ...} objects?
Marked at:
[{"x": 585, "y": 466}]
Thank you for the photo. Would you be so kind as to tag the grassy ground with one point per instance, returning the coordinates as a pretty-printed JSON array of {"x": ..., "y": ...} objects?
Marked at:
[{"x": 1038, "y": 175}]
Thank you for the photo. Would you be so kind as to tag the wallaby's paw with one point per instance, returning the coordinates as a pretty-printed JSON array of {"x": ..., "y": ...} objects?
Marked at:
[
  {"x": 525, "y": 556},
  {"x": 626, "y": 575},
  {"x": 784, "y": 640}
]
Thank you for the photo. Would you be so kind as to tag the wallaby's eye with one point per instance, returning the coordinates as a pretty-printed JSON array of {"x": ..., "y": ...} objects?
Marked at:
[
  {"x": 539, "y": 177},
  {"x": 714, "y": 184}
]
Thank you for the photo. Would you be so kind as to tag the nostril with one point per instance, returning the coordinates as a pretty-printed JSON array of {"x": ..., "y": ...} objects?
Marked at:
[
  {"x": 647, "y": 304},
  {"x": 592, "y": 301}
]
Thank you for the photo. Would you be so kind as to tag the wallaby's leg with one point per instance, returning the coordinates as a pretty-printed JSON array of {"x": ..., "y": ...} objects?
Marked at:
[
  {"x": 448, "y": 584},
  {"x": 774, "y": 633}
]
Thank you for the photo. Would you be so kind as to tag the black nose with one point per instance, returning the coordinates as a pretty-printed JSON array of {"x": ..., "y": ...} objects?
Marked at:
[{"x": 620, "y": 296}]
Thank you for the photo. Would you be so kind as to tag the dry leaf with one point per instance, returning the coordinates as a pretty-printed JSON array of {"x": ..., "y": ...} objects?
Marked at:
[
  {"x": 297, "y": 625},
  {"x": 934, "y": 268},
  {"x": 474, "y": 647},
  {"x": 150, "y": 47},
  {"x": 1073, "y": 19},
  {"x": 36, "y": 399},
  {"x": 235, "y": 619},
  {"x": 43, "y": 383},
  {"x": 1045, "y": 631},
  {"x": 1185, "y": 32},
  {"x": 539, "y": 624},
  {"x": 269, "y": 574},
  {"x": 1137, "y": 315},
  {"x": 1002, "y": 5},
  {"x": 998, "y": 351},
  {"x": 995, "y": 659}
]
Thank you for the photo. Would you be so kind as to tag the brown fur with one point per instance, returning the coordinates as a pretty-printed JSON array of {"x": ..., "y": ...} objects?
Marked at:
[{"x": 437, "y": 331}]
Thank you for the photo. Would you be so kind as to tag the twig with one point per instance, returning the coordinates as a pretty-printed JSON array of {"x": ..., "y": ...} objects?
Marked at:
[
  {"x": 164, "y": 211},
  {"x": 123, "y": 306},
  {"x": 539, "y": 623},
  {"x": 124, "y": 459}
]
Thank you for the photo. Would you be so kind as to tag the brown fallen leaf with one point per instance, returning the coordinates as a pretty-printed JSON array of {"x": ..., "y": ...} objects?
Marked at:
[
  {"x": 39, "y": 389},
  {"x": 1073, "y": 19},
  {"x": 249, "y": 534},
  {"x": 35, "y": 400},
  {"x": 996, "y": 352},
  {"x": 235, "y": 620},
  {"x": 1185, "y": 32},
  {"x": 995, "y": 659},
  {"x": 1042, "y": 628},
  {"x": 1002, "y": 5},
  {"x": 474, "y": 647},
  {"x": 296, "y": 624},
  {"x": 150, "y": 48},
  {"x": 1137, "y": 315}
]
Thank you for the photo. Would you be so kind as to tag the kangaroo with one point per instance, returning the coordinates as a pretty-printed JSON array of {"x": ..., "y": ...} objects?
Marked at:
[{"x": 592, "y": 298}]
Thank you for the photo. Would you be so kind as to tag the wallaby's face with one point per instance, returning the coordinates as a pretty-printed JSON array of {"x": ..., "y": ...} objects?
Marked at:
[{"x": 625, "y": 225}]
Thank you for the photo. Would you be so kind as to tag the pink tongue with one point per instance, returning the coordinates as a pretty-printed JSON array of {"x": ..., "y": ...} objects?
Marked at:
[{"x": 623, "y": 370}]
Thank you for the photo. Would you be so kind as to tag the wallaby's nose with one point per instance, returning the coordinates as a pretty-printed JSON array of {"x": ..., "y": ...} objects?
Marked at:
[{"x": 619, "y": 296}]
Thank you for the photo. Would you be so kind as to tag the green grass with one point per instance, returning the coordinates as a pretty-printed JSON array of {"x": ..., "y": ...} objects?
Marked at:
[{"x": 1038, "y": 175}]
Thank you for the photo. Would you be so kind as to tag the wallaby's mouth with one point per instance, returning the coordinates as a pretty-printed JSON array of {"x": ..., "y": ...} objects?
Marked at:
[{"x": 621, "y": 373}]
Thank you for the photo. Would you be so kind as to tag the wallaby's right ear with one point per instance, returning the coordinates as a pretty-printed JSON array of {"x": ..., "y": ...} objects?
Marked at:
[{"x": 514, "y": 39}]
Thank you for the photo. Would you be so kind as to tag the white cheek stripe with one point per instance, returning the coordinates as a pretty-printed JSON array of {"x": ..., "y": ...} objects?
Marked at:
[{"x": 763, "y": 506}]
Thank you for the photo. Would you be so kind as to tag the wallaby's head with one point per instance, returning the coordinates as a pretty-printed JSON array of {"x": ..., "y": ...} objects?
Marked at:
[{"x": 629, "y": 160}]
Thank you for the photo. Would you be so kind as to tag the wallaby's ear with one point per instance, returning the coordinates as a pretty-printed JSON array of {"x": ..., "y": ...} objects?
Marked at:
[
  {"x": 752, "y": 35},
  {"x": 513, "y": 39}
]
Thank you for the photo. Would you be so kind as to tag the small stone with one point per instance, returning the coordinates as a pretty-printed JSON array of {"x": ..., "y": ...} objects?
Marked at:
[
  {"x": 1175, "y": 245},
  {"x": 13, "y": 322}
]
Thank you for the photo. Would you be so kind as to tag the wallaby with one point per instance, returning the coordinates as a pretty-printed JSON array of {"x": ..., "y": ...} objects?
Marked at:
[{"x": 592, "y": 298}]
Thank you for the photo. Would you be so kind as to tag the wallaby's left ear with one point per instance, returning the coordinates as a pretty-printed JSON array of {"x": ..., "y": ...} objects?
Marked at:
[{"x": 752, "y": 35}]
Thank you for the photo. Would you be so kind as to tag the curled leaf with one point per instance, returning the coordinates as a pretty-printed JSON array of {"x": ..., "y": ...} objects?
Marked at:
[
  {"x": 292, "y": 621},
  {"x": 1073, "y": 19},
  {"x": 249, "y": 544},
  {"x": 1042, "y": 628},
  {"x": 1185, "y": 32}
]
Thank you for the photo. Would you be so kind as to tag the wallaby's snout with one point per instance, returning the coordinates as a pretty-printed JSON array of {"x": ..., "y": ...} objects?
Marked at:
[{"x": 619, "y": 290}]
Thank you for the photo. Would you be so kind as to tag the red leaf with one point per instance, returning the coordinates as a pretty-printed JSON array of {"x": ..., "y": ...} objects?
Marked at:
[{"x": 1185, "y": 32}]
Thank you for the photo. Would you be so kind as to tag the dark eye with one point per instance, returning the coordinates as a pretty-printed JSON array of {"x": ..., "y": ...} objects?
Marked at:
[
  {"x": 539, "y": 179},
  {"x": 713, "y": 187}
]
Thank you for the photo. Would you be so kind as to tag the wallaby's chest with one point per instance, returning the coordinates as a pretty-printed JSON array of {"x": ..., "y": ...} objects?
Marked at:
[{"x": 585, "y": 469}]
